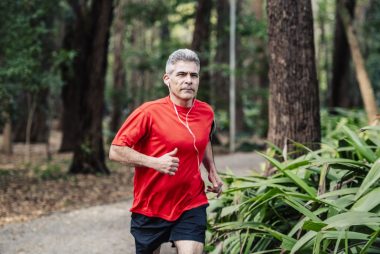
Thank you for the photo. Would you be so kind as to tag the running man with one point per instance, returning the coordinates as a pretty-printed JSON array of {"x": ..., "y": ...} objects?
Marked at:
[{"x": 167, "y": 140}]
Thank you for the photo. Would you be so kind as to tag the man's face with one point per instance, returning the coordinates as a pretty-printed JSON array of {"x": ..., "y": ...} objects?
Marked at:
[{"x": 183, "y": 81}]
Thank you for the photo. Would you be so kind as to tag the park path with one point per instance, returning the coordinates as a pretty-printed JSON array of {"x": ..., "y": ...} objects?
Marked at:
[{"x": 95, "y": 230}]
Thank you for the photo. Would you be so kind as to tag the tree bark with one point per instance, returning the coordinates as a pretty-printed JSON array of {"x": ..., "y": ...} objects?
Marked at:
[
  {"x": 91, "y": 35},
  {"x": 294, "y": 102},
  {"x": 343, "y": 89},
  {"x": 74, "y": 75},
  {"x": 119, "y": 75},
  {"x": 201, "y": 44}
]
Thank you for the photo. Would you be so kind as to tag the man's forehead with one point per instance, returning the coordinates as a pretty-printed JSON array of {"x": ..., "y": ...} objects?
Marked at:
[{"x": 182, "y": 66}]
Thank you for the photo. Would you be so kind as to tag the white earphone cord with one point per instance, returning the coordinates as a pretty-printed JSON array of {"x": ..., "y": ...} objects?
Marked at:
[{"x": 188, "y": 128}]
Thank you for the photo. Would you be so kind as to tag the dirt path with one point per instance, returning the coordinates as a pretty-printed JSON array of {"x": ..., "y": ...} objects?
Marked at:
[{"x": 99, "y": 229}]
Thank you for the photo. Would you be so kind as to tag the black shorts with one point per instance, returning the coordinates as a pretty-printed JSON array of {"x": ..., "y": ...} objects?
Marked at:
[{"x": 151, "y": 232}]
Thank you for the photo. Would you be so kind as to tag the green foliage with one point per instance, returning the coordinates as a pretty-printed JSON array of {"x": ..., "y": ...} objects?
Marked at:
[
  {"x": 49, "y": 171},
  {"x": 323, "y": 202},
  {"x": 26, "y": 57},
  {"x": 332, "y": 121}
]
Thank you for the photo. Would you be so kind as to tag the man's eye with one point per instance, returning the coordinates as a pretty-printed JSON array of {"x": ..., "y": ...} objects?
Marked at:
[{"x": 194, "y": 75}]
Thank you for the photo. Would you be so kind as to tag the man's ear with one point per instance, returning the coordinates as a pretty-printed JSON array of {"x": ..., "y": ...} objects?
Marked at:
[{"x": 166, "y": 78}]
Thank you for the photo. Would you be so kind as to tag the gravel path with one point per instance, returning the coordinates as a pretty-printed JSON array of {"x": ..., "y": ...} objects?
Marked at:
[{"x": 100, "y": 229}]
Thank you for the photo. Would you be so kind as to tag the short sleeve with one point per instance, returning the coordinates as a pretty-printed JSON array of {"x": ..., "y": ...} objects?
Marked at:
[{"x": 133, "y": 129}]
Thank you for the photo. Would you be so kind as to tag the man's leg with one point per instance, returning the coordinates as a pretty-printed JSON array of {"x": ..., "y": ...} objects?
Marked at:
[
  {"x": 157, "y": 251},
  {"x": 188, "y": 233},
  {"x": 149, "y": 233},
  {"x": 189, "y": 247}
]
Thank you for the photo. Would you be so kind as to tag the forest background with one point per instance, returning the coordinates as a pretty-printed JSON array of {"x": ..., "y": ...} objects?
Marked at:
[{"x": 72, "y": 71}]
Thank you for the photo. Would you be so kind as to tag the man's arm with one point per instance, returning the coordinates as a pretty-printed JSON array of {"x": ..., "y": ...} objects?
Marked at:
[
  {"x": 167, "y": 164},
  {"x": 208, "y": 162}
]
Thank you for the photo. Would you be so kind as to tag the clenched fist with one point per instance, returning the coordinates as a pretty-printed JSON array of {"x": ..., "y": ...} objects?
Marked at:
[{"x": 167, "y": 163}]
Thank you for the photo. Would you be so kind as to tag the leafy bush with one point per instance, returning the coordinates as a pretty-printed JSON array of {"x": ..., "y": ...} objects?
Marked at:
[{"x": 326, "y": 201}]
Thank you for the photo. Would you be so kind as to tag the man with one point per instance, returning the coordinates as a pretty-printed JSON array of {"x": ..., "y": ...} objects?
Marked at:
[{"x": 166, "y": 140}]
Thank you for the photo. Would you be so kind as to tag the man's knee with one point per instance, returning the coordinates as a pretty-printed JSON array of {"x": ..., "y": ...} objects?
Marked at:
[{"x": 189, "y": 247}]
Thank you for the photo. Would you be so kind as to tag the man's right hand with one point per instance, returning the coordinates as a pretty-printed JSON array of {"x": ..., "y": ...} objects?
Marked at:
[{"x": 167, "y": 163}]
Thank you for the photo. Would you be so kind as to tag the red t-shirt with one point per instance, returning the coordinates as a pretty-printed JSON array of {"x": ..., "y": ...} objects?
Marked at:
[{"x": 154, "y": 130}]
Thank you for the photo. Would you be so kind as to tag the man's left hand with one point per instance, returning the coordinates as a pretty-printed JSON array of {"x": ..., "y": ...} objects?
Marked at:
[{"x": 216, "y": 183}]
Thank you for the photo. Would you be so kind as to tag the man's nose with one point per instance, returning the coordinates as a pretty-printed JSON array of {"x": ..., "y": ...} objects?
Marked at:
[{"x": 188, "y": 78}]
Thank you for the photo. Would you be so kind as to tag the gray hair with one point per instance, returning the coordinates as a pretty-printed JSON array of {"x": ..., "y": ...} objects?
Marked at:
[{"x": 185, "y": 55}]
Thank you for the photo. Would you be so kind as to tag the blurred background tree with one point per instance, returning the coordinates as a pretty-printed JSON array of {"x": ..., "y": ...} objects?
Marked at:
[{"x": 56, "y": 66}]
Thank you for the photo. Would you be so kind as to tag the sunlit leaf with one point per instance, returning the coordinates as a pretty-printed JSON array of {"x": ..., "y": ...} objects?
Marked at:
[
  {"x": 372, "y": 177},
  {"x": 360, "y": 145},
  {"x": 367, "y": 202}
]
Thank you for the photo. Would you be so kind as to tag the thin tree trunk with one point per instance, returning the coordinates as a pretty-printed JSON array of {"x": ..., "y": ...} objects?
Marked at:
[
  {"x": 220, "y": 73},
  {"x": 7, "y": 136},
  {"x": 343, "y": 90},
  {"x": 32, "y": 107},
  {"x": 38, "y": 131},
  {"x": 119, "y": 75},
  {"x": 365, "y": 86},
  {"x": 294, "y": 100},
  {"x": 240, "y": 123},
  {"x": 201, "y": 44}
]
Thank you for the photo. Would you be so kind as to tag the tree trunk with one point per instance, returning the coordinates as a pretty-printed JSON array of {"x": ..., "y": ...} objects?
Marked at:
[
  {"x": 220, "y": 73},
  {"x": 294, "y": 101},
  {"x": 134, "y": 83},
  {"x": 7, "y": 136},
  {"x": 365, "y": 86},
  {"x": 240, "y": 123},
  {"x": 32, "y": 104},
  {"x": 259, "y": 77},
  {"x": 343, "y": 90},
  {"x": 201, "y": 44},
  {"x": 39, "y": 127},
  {"x": 119, "y": 75},
  {"x": 92, "y": 43},
  {"x": 74, "y": 76}
]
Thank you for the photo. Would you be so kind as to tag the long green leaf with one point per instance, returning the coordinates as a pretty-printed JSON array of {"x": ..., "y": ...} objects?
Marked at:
[
  {"x": 370, "y": 242},
  {"x": 268, "y": 251},
  {"x": 372, "y": 177},
  {"x": 314, "y": 226},
  {"x": 273, "y": 161},
  {"x": 338, "y": 161},
  {"x": 347, "y": 234},
  {"x": 301, "y": 208},
  {"x": 303, "y": 241},
  {"x": 302, "y": 184},
  {"x": 228, "y": 210},
  {"x": 373, "y": 128},
  {"x": 317, "y": 243},
  {"x": 360, "y": 145},
  {"x": 368, "y": 201},
  {"x": 296, "y": 163},
  {"x": 297, "y": 180},
  {"x": 301, "y": 222},
  {"x": 352, "y": 218},
  {"x": 341, "y": 192}
]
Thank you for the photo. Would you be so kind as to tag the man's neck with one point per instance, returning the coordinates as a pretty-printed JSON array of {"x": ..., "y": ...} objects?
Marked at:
[{"x": 180, "y": 102}]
